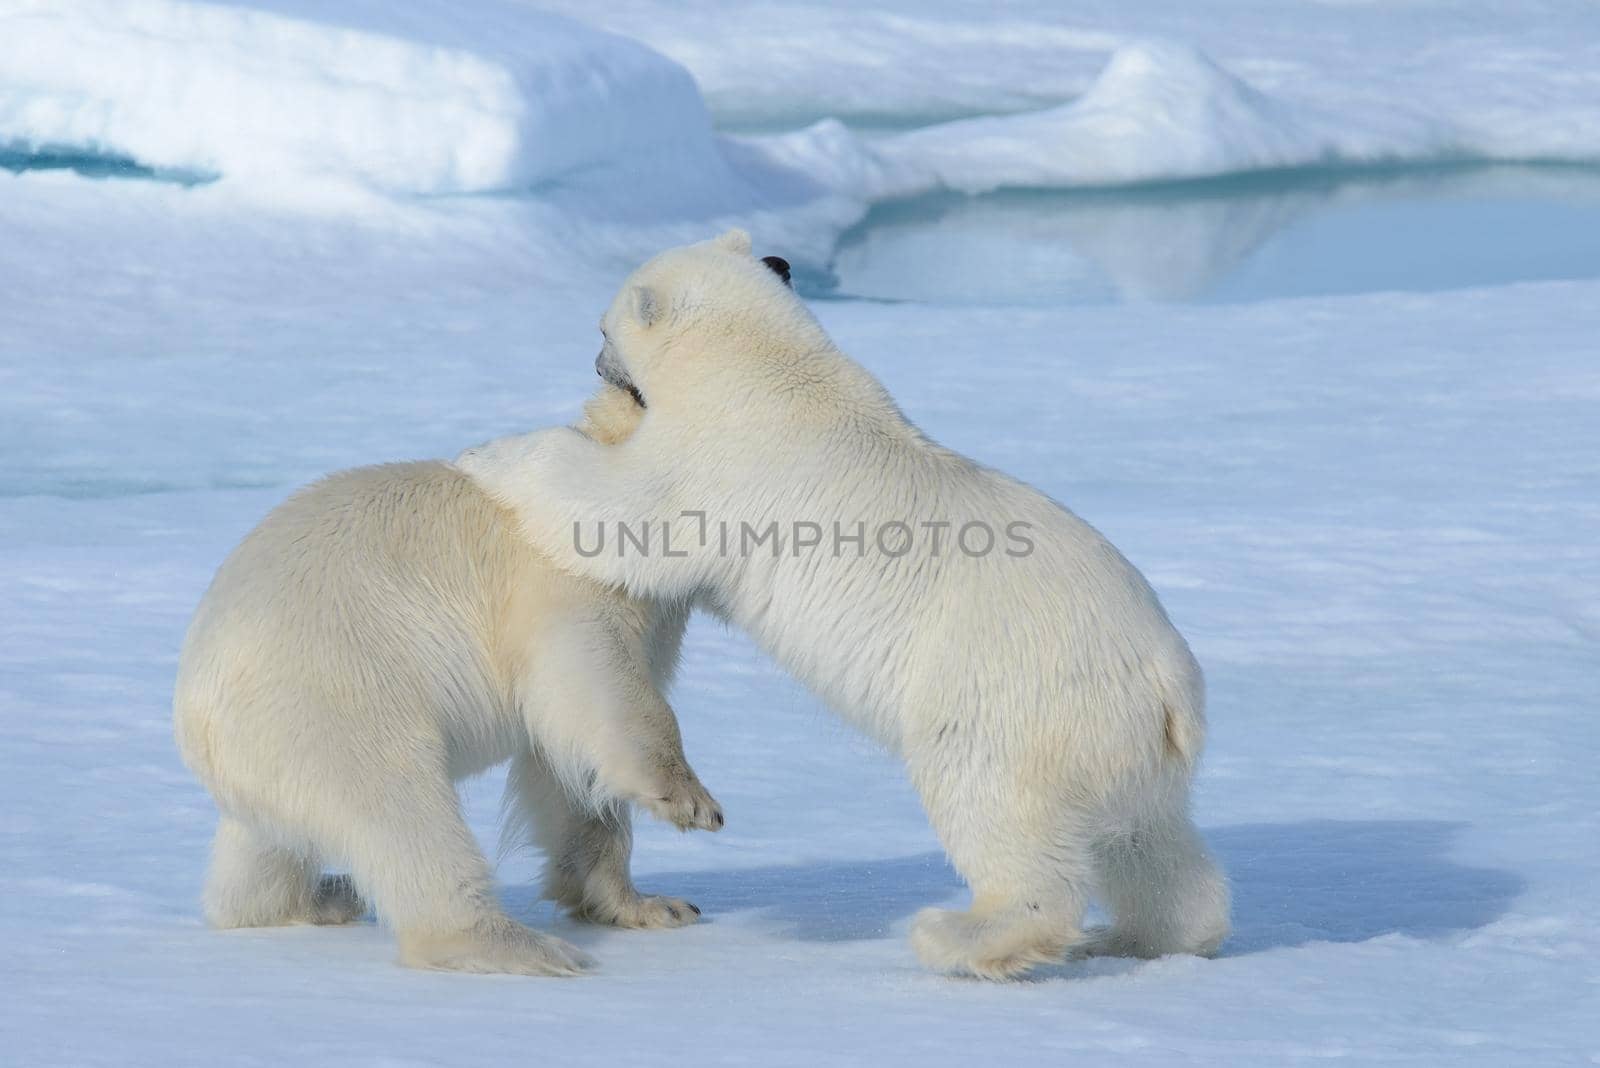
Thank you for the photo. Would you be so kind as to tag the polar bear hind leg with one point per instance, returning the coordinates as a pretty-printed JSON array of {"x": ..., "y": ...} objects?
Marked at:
[
  {"x": 1165, "y": 892},
  {"x": 412, "y": 855},
  {"x": 1030, "y": 869},
  {"x": 586, "y": 851},
  {"x": 254, "y": 881}
]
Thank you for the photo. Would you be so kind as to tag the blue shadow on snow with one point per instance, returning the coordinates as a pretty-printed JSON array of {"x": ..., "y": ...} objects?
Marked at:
[{"x": 1293, "y": 883}]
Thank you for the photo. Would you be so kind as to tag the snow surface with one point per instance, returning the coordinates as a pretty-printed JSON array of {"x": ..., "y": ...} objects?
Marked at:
[
  {"x": 404, "y": 97},
  {"x": 1373, "y": 515},
  {"x": 413, "y": 98},
  {"x": 1526, "y": 73}
]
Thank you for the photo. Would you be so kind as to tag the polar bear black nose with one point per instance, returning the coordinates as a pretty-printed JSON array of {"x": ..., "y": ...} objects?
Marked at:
[{"x": 780, "y": 267}]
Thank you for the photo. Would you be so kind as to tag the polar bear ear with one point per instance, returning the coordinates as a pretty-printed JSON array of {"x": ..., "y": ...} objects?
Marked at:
[
  {"x": 734, "y": 241},
  {"x": 647, "y": 307}
]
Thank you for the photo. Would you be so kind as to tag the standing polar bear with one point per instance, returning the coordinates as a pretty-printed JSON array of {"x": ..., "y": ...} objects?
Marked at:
[
  {"x": 385, "y": 632},
  {"x": 1049, "y": 714}
]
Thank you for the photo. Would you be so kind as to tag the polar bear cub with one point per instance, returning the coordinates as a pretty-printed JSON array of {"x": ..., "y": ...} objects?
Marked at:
[
  {"x": 1046, "y": 709},
  {"x": 385, "y": 632}
]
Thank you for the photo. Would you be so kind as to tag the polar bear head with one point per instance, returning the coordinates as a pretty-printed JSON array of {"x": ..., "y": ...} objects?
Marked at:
[{"x": 704, "y": 320}]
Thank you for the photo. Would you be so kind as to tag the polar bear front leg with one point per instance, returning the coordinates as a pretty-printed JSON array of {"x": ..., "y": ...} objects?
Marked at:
[
  {"x": 594, "y": 713},
  {"x": 566, "y": 491},
  {"x": 587, "y": 853},
  {"x": 1027, "y": 859}
]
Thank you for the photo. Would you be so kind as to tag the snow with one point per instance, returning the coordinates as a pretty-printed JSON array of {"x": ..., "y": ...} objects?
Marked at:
[
  {"x": 408, "y": 98},
  {"x": 1373, "y": 514},
  {"x": 1530, "y": 75},
  {"x": 1158, "y": 111},
  {"x": 400, "y": 96}
]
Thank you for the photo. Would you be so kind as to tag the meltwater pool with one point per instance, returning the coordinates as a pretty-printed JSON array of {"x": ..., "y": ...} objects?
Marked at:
[{"x": 1242, "y": 238}]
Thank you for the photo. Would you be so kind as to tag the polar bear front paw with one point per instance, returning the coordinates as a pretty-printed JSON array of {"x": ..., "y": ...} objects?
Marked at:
[
  {"x": 685, "y": 803},
  {"x": 517, "y": 470}
]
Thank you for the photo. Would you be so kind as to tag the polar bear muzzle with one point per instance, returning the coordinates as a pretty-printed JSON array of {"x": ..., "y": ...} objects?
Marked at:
[{"x": 610, "y": 368}]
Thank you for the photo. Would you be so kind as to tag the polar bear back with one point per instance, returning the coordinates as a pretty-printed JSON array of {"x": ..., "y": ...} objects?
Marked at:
[{"x": 381, "y": 606}]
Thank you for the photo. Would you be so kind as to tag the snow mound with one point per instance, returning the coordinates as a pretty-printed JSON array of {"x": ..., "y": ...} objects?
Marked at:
[
  {"x": 408, "y": 98},
  {"x": 422, "y": 97},
  {"x": 1158, "y": 111}
]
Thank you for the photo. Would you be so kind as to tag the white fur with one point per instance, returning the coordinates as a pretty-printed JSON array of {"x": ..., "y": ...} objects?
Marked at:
[
  {"x": 385, "y": 632},
  {"x": 1047, "y": 711}
]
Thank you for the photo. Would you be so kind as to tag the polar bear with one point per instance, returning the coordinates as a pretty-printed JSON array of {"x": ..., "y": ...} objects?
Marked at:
[
  {"x": 385, "y": 632},
  {"x": 1047, "y": 711}
]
